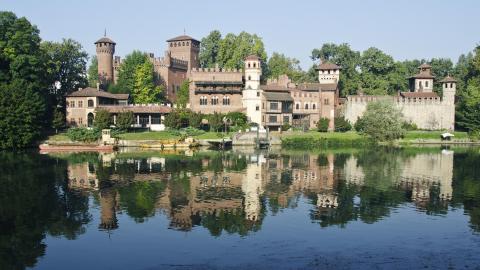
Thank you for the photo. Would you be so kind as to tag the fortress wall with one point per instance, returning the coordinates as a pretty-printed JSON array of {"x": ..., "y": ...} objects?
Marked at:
[{"x": 432, "y": 114}]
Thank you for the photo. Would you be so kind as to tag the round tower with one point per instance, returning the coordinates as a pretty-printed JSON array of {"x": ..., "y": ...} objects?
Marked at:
[
  {"x": 105, "y": 48},
  {"x": 252, "y": 94}
]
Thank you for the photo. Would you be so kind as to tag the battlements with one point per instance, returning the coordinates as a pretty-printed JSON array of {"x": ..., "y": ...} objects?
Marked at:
[
  {"x": 360, "y": 99},
  {"x": 216, "y": 69}
]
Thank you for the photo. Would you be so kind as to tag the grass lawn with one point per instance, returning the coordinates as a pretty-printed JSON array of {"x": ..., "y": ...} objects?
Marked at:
[
  {"x": 432, "y": 135},
  {"x": 60, "y": 137}
]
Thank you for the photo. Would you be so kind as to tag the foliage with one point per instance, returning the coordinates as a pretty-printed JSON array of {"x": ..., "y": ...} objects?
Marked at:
[
  {"x": 322, "y": 124},
  {"x": 279, "y": 64},
  {"x": 124, "y": 120},
  {"x": 215, "y": 121},
  {"x": 145, "y": 91},
  {"x": 178, "y": 118},
  {"x": 92, "y": 72},
  {"x": 468, "y": 109},
  {"x": 183, "y": 94},
  {"x": 237, "y": 118},
  {"x": 195, "y": 119},
  {"x": 409, "y": 126},
  {"x": 82, "y": 134},
  {"x": 359, "y": 125},
  {"x": 23, "y": 83},
  {"x": 312, "y": 140},
  {"x": 127, "y": 72},
  {"x": 58, "y": 120},
  {"x": 102, "y": 120},
  {"x": 286, "y": 126},
  {"x": 231, "y": 50},
  {"x": 383, "y": 122},
  {"x": 66, "y": 64},
  {"x": 342, "y": 125}
]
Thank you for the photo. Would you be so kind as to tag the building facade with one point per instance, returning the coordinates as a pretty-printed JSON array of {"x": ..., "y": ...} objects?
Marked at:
[{"x": 420, "y": 106}]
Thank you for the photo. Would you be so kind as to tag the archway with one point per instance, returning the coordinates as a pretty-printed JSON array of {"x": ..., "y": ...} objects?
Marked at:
[{"x": 90, "y": 119}]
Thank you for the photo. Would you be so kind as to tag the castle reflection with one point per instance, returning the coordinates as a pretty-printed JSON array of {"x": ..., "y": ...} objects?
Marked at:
[{"x": 232, "y": 191}]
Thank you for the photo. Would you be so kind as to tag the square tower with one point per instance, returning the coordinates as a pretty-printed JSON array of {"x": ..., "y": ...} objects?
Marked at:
[
  {"x": 423, "y": 80},
  {"x": 185, "y": 48}
]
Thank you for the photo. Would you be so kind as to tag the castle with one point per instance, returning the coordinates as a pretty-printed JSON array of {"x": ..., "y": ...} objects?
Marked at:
[{"x": 279, "y": 102}]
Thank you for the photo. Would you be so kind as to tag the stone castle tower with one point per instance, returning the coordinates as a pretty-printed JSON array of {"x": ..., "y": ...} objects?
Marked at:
[
  {"x": 185, "y": 48},
  {"x": 252, "y": 94},
  {"x": 105, "y": 48},
  {"x": 449, "y": 86},
  {"x": 423, "y": 81}
]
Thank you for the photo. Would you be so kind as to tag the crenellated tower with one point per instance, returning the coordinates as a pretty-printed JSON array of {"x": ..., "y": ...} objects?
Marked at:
[
  {"x": 449, "y": 86},
  {"x": 105, "y": 48},
  {"x": 252, "y": 94},
  {"x": 185, "y": 48}
]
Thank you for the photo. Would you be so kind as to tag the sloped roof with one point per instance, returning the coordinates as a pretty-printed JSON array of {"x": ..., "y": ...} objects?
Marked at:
[
  {"x": 425, "y": 65},
  {"x": 329, "y": 87},
  {"x": 252, "y": 57},
  {"x": 136, "y": 108},
  {"x": 278, "y": 96},
  {"x": 448, "y": 79},
  {"x": 93, "y": 92},
  {"x": 181, "y": 38},
  {"x": 105, "y": 40},
  {"x": 327, "y": 66},
  {"x": 275, "y": 87},
  {"x": 419, "y": 94},
  {"x": 309, "y": 86}
]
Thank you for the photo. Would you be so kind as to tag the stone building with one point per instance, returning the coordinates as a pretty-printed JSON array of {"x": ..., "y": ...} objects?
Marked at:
[
  {"x": 171, "y": 70},
  {"x": 420, "y": 106}
]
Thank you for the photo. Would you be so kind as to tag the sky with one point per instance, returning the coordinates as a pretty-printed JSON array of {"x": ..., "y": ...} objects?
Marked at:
[{"x": 405, "y": 29}]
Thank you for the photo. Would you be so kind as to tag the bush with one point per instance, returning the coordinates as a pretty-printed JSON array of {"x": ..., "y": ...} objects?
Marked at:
[
  {"x": 102, "y": 120},
  {"x": 359, "y": 125},
  {"x": 124, "y": 120},
  {"x": 383, "y": 122},
  {"x": 83, "y": 134},
  {"x": 322, "y": 124},
  {"x": 342, "y": 125},
  {"x": 285, "y": 126},
  {"x": 190, "y": 131},
  {"x": 195, "y": 120},
  {"x": 409, "y": 126},
  {"x": 237, "y": 118},
  {"x": 215, "y": 121}
]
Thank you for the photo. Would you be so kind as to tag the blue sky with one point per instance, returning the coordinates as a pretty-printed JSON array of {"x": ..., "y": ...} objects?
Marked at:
[{"x": 403, "y": 29}]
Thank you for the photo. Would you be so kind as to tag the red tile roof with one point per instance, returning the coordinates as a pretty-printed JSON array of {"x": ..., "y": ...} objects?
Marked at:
[
  {"x": 105, "y": 40},
  {"x": 181, "y": 38},
  {"x": 448, "y": 79},
  {"x": 327, "y": 66},
  {"x": 93, "y": 92},
  {"x": 137, "y": 108}
]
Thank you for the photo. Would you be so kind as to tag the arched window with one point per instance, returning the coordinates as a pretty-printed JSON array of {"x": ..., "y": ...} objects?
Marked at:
[
  {"x": 188, "y": 43},
  {"x": 420, "y": 85},
  {"x": 248, "y": 64},
  {"x": 215, "y": 100},
  {"x": 306, "y": 106},
  {"x": 226, "y": 100},
  {"x": 314, "y": 106},
  {"x": 297, "y": 106},
  {"x": 90, "y": 103},
  {"x": 203, "y": 100},
  {"x": 171, "y": 44},
  {"x": 254, "y": 64},
  {"x": 183, "y": 43},
  {"x": 249, "y": 78}
]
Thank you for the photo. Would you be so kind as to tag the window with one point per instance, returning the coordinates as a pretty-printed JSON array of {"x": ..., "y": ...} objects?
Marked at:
[
  {"x": 72, "y": 104},
  {"x": 286, "y": 119},
  {"x": 171, "y": 44},
  {"x": 80, "y": 103},
  {"x": 249, "y": 78},
  {"x": 72, "y": 121},
  {"x": 326, "y": 101},
  {"x": 297, "y": 106},
  {"x": 214, "y": 100},
  {"x": 426, "y": 84},
  {"x": 451, "y": 85},
  {"x": 226, "y": 100},
  {"x": 273, "y": 106},
  {"x": 80, "y": 120},
  {"x": 188, "y": 43},
  {"x": 203, "y": 101},
  {"x": 272, "y": 118},
  {"x": 254, "y": 64},
  {"x": 248, "y": 64},
  {"x": 314, "y": 106},
  {"x": 173, "y": 89},
  {"x": 90, "y": 103},
  {"x": 258, "y": 93},
  {"x": 306, "y": 106},
  {"x": 257, "y": 108},
  {"x": 183, "y": 43},
  {"x": 420, "y": 84}
]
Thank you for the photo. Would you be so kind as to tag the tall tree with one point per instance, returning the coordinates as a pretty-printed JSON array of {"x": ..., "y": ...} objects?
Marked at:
[
  {"x": 279, "y": 64},
  {"x": 183, "y": 94},
  {"x": 145, "y": 90},
  {"x": 23, "y": 86},
  {"x": 66, "y": 67},
  {"x": 92, "y": 72},
  {"x": 126, "y": 74},
  {"x": 209, "y": 49}
]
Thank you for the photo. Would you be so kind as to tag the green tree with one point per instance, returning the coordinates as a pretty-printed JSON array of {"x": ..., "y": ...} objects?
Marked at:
[
  {"x": 58, "y": 120},
  {"x": 209, "y": 49},
  {"x": 195, "y": 119},
  {"x": 342, "y": 125},
  {"x": 66, "y": 63},
  {"x": 145, "y": 90},
  {"x": 183, "y": 94},
  {"x": 127, "y": 72},
  {"x": 382, "y": 121},
  {"x": 233, "y": 49},
  {"x": 468, "y": 107},
  {"x": 23, "y": 84},
  {"x": 102, "y": 120},
  {"x": 92, "y": 72},
  {"x": 215, "y": 121},
  {"x": 279, "y": 64},
  {"x": 124, "y": 120},
  {"x": 322, "y": 124}
]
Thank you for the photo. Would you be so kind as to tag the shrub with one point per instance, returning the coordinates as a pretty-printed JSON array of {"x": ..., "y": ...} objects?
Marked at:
[
  {"x": 102, "y": 120},
  {"x": 359, "y": 125},
  {"x": 237, "y": 118},
  {"x": 195, "y": 120},
  {"x": 342, "y": 125},
  {"x": 285, "y": 126},
  {"x": 83, "y": 134},
  {"x": 215, "y": 121},
  {"x": 383, "y": 122},
  {"x": 409, "y": 126},
  {"x": 124, "y": 120},
  {"x": 322, "y": 124},
  {"x": 190, "y": 131}
]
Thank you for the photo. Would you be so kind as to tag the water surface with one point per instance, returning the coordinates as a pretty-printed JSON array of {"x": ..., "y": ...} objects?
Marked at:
[{"x": 241, "y": 209}]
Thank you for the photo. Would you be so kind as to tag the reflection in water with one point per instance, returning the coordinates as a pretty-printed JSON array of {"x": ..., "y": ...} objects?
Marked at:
[{"x": 224, "y": 192}]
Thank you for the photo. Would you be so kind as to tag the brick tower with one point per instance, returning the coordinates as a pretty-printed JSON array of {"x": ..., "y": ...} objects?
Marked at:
[{"x": 105, "y": 48}]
